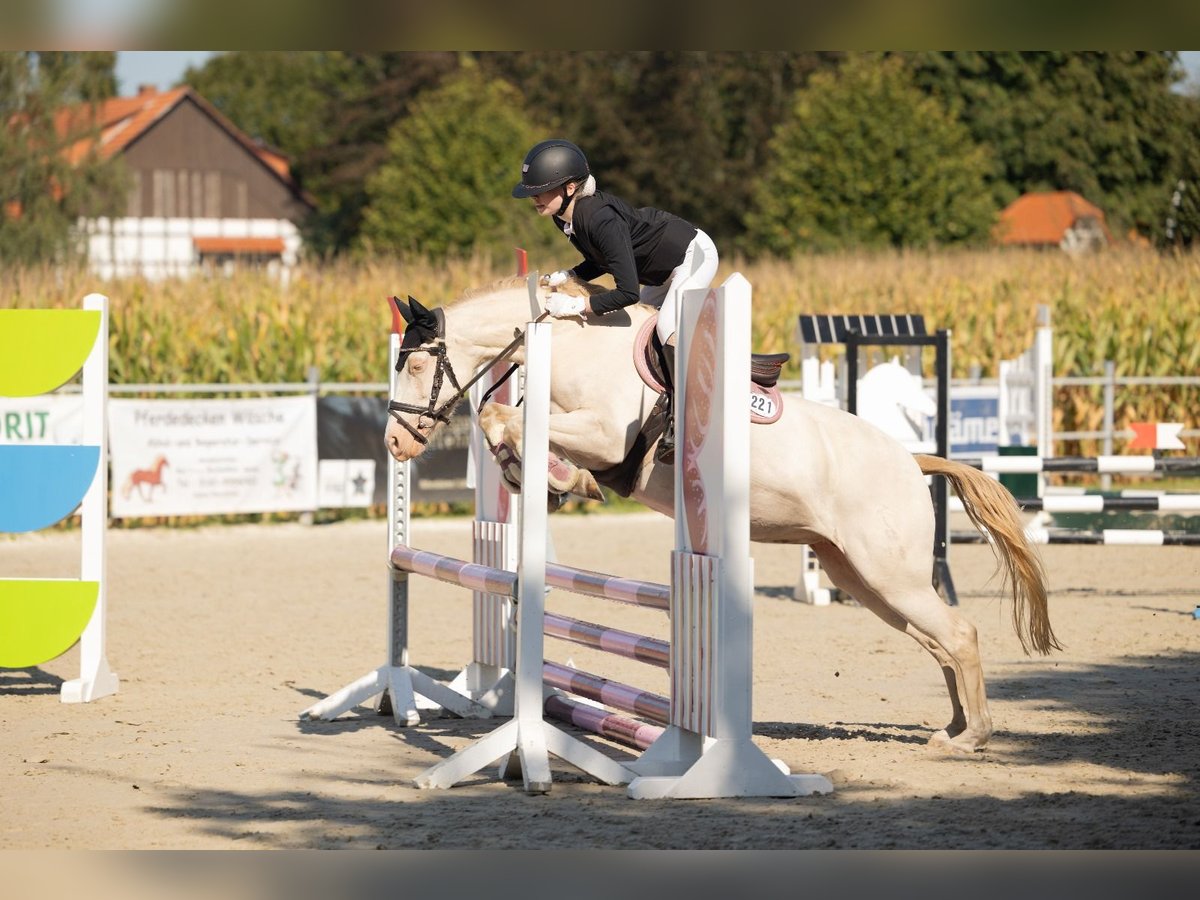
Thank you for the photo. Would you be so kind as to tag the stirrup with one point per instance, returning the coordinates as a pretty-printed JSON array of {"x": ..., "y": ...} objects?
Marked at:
[{"x": 664, "y": 451}]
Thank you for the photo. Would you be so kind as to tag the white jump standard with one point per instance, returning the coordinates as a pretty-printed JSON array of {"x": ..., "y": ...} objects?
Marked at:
[{"x": 396, "y": 684}]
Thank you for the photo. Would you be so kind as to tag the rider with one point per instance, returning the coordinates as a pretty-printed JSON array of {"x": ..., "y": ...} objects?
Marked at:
[{"x": 644, "y": 248}]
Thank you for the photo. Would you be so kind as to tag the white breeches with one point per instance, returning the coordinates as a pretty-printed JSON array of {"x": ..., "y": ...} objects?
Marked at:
[{"x": 695, "y": 272}]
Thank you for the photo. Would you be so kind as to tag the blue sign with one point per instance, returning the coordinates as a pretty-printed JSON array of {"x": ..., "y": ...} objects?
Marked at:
[{"x": 974, "y": 420}]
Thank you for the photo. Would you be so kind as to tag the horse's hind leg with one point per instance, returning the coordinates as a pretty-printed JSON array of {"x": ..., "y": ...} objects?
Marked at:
[
  {"x": 958, "y": 719},
  {"x": 916, "y": 609}
]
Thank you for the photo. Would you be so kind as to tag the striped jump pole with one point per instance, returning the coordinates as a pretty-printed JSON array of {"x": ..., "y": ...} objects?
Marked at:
[
  {"x": 600, "y": 721},
  {"x": 611, "y": 640},
  {"x": 1104, "y": 465},
  {"x": 1142, "y": 537},
  {"x": 1100, "y": 503}
]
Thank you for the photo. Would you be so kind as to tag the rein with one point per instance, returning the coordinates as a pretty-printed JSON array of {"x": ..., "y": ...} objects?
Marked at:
[{"x": 441, "y": 412}]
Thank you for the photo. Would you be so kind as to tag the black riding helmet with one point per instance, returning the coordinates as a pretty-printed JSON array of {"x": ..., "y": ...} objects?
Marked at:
[{"x": 551, "y": 164}]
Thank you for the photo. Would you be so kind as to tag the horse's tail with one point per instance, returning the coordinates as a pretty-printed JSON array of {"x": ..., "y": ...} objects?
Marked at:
[
  {"x": 127, "y": 487},
  {"x": 994, "y": 512}
]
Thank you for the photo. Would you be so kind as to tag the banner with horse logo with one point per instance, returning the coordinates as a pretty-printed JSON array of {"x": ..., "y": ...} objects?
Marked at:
[{"x": 210, "y": 457}]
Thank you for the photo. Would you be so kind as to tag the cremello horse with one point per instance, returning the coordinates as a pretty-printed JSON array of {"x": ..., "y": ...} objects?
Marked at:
[{"x": 819, "y": 476}]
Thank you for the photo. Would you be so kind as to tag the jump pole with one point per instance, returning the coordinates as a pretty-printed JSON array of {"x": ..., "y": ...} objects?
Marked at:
[{"x": 96, "y": 678}]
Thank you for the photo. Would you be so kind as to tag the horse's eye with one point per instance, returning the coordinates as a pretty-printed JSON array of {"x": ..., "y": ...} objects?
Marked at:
[{"x": 417, "y": 364}]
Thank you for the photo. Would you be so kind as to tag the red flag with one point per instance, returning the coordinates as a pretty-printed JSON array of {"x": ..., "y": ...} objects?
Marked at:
[
  {"x": 1145, "y": 436},
  {"x": 1156, "y": 436}
]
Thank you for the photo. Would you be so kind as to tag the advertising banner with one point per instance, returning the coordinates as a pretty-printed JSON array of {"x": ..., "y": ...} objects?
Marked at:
[{"x": 210, "y": 457}]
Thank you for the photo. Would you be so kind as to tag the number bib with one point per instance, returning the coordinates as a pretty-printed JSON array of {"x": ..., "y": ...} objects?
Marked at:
[{"x": 766, "y": 404}]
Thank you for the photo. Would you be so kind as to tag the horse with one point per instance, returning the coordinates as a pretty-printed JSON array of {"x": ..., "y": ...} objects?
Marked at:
[
  {"x": 891, "y": 398},
  {"x": 819, "y": 476}
]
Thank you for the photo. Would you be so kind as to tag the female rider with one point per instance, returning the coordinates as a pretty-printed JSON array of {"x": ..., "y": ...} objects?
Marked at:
[{"x": 652, "y": 255}]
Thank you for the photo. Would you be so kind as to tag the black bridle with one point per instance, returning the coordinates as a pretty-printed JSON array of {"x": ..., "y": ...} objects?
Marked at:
[{"x": 426, "y": 333}]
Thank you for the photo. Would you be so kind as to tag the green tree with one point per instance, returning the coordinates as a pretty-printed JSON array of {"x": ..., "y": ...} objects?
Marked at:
[
  {"x": 329, "y": 112},
  {"x": 1181, "y": 225},
  {"x": 685, "y": 131},
  {"x": 446, "y": 185},
  {"x": 1104, "y": 124},
  {"x": 280, "y": 97},
  {"x": 866, "y": 159},
  {"x": 51, "y": 174}
]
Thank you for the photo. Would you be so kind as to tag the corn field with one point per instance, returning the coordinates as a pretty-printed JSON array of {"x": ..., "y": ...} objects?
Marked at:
[{"x": 1135, "y": 307}]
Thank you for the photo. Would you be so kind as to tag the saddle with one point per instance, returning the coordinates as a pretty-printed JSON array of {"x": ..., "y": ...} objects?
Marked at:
[{"x": 766, "y": 402}]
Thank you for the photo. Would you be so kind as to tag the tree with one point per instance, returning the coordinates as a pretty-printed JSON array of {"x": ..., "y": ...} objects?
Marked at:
[
  {"x": 1104, "y": 124},
  {"x": 866, "y": 159},
  {"x": 1181, "y": 226},
  {"x": 48, "y": 182},
  {"x": 446, "y": 185},
  {"x": 329, "y": 111},
  {"x": 379, "y": 91},
  {"x": 686, "y": 131},
  {"x": 280, "y": 97}
]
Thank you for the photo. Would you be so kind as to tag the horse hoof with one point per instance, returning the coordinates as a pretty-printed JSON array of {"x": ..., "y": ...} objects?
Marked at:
[{"x": 942, "y": 741}]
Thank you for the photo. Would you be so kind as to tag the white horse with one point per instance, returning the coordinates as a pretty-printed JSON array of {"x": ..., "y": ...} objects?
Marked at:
[
  {"x": 891, "y": 398},
  {"x": 819, "y": 476}
]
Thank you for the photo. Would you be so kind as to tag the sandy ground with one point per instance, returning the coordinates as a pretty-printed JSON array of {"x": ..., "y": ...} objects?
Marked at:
[{"x": 222, "y": 635}]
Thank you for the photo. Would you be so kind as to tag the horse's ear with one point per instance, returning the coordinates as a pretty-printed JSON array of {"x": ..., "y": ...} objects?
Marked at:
[
  {"x": 423, "y": 320},
  {"x": 403, "y": 309}
]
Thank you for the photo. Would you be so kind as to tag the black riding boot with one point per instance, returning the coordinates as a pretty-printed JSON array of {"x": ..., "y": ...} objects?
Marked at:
[{"x": 665, "y": 451}]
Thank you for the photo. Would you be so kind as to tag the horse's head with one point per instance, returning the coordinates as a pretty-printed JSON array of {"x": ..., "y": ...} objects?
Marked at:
[
  {"x": 426, "y": 386},
  {"x": 445, "y": 349},
  {"x": 892, "y": 399}
]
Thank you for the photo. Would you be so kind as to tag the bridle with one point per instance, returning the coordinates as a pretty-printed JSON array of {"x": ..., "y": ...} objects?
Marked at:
[{"x": 426, "y": 333}]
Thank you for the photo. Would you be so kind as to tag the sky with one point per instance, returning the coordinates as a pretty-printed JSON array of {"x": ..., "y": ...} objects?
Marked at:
[
  {"x": 161, "y": 68},
  {"x": 164, "y": 68}
]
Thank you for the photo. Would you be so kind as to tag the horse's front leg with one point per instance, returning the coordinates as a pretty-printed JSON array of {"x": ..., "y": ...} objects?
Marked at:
[{"x": 501, "y": 427}]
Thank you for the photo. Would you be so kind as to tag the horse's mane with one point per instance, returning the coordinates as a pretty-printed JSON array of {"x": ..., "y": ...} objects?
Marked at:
[{"x": 572, "y": 286}]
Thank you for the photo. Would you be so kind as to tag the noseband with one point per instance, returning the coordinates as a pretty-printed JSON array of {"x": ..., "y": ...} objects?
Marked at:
[{"x": 429, "y": 410}]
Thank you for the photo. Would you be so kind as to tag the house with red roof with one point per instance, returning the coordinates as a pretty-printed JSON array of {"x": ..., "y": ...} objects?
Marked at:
[
  {"x": 1053, "y": 219},
  {"x": 204, "y": 196}
]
